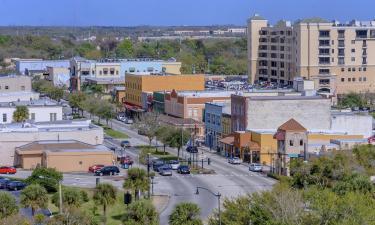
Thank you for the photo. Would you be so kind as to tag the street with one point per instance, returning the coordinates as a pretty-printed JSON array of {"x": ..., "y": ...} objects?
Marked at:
[{"x": 230, "y": 180}]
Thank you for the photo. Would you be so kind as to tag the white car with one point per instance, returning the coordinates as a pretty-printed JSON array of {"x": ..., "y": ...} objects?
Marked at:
[
  {"x": 234, "y": 160},
  {"x": 174, "y": 164},
  {"x": 129, "y": 121},
  {"x": 256, "y": 167}
]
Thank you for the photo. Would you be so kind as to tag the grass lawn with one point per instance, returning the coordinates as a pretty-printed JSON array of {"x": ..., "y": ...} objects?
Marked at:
[
  {"x": 112, "y": 133},
  {"x": 115, "y": 134},
  {"x": 114, "y": 212}
]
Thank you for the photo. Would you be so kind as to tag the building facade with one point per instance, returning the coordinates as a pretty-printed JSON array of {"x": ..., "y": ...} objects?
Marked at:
[
  {"x": 42, "y": 110},
  {"x": 136, "y": 84},
  {"x": 25, "y": 66},
  {"x": 191, "y": 104},
  {"x": 14, "y": 83},
  {"x": 269, "y": 112},
  {"x": 338, "y": 57}
]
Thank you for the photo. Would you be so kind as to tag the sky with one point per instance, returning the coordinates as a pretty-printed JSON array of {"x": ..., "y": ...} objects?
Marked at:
[{"x": 175, "y": 12}]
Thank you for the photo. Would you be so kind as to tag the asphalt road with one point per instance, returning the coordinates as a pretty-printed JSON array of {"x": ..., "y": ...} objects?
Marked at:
[{"x": 230, "y": 180}]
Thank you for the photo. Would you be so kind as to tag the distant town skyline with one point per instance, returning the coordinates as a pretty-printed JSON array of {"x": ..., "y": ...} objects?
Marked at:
[{"x": 174, "y": 13}]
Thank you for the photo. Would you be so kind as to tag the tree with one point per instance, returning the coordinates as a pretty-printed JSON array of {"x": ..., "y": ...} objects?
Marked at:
[
  {"x": 352, "y": 100},
  {"x": 20, "y": 114},
  {"x": 125, "y": 49},
  {"x": 177, "y": 139},
  {"x": 77, "y": 100},
  {"x": 185, "y": 214},
  {"x": 105, "y": 110},
  {"x": 71, "y": 198},
  {"x": 149, "y": 124},
  {"x": 90, "y": 105},
  {"x": 15, "y": 220},
  {"x": 105, "y": 195},
  {"x": 8, "y": 205},
  {"x": 137, "y": 181},
  {"x": 72, "y": 216},
  {"x": 35, "y": 197},
  {"x": 141, "y": 212},
  {"x": 49, "y": 178},
  {"x": 163, "y": 135}
]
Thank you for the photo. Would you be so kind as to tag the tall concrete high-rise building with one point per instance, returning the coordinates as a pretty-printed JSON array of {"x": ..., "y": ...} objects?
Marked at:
[{"x": 339, "y": 58}]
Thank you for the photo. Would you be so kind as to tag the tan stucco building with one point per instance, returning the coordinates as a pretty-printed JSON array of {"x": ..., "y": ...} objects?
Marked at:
[
  {"x": 340, "y": 58},
  {"x": 64, "y": 156},
  {"x": 136, "y": 84}
]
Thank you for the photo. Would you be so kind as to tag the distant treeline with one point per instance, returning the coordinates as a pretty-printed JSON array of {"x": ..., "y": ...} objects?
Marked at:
[{"x": 218, "y": 56}]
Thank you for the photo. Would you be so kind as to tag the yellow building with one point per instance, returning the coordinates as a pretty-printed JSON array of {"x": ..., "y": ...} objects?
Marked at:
[
  {"x": 136, "y": 84},
  {"x": 260, "y": 146}
]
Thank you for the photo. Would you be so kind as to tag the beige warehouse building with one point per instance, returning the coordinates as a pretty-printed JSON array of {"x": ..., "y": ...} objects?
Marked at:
[
  {"x": 340, "y": 58},
  {"x": 64, "y": 156}
]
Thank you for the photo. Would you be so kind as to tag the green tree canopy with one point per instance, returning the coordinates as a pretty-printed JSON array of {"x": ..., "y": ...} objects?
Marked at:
[
  {"x": 125, "y": 49},
  {"x": 105, "y": 195},
  {"x": 141, "y": 212},
  {"x": 352, "y": 100},
  {"x": 137, "y": 181},
  {"x": 35, "y": 197},
  {"x": 185, "y": 213},
  {"x": 47, "y": 177},
  {"x": 71, "y": 197},
  {"x": 8, "y": 205},
  {"x": 20, "y": 114}
]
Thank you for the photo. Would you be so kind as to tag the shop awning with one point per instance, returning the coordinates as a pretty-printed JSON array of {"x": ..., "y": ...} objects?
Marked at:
[{"x": 227, "y": 140}]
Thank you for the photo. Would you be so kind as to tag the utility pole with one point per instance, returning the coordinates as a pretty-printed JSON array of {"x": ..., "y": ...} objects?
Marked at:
[
  {"x": 60, "y": 199},
  {"x": 148, "y": 171}
]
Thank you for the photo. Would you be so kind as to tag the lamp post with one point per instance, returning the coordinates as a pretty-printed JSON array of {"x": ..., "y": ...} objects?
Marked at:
[
  {"x": 218, "y": 195},
  {"x": 60, "y": 192},
  {"x": 148, "y": 171}
]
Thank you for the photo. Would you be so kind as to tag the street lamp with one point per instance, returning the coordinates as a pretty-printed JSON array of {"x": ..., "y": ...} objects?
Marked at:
[
  {"x": 148, "y": 171},
  {"x": 218, "y": 195},
  {"x": 60, "y": 192}
]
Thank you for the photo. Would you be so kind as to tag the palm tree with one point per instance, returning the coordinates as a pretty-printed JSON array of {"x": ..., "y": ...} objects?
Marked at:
[
  {"x": 137, "y": 181},
  {"x": 21, "y": 113},
  {"x": 105, "y": 195},
  {"x": 35, "y": 197},
  {"x": 141, "y": 212},
  {"x": 185, "y": 213},
  {"x": 8, "y": 205}
]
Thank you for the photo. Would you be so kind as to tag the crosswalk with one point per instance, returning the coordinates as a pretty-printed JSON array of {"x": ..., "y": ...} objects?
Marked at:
[{"x": 191, "y": 176}]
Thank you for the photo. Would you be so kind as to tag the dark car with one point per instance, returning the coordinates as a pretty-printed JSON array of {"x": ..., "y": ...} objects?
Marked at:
[
  {"x": 15, "y": 185},
  {"x": 183, "y": 169},
  {"x": 192, "y": 149},
  {"x": 3, "y": 182},
  {"x": 107, "y": 170},
  {"x": 156, "y": 164},
  {"x": 126, "y": 160},
  {"x": 125, "y": 144}
]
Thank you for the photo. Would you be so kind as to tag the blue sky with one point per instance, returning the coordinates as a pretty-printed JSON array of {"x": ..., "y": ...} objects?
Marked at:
[{"x": 175, "y": 12}]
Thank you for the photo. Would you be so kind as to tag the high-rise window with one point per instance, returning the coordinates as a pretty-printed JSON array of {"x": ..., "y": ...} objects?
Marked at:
[{"x": 4, "y": 117}]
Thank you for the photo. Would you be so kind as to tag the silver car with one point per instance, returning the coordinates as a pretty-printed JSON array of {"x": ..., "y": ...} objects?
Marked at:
[
  {"x": 234, "y": 160},
  {"x": 256, "y": 167}
]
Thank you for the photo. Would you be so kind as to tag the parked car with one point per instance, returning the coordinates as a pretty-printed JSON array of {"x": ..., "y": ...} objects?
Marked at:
[
  {"x": 165, "y": 171},
  {"x": 3, "y": 182},
  {"x": 183, "y": 169},
  {"x": 7, "y": 170},
  {"x": 192, "y": 149},
  {"x": 174, "y": 164},
  {"x": 125, "y": 144},
  {"x": 156, "y": 164},
  {"x": 256, "y": 167},
  {"x": 129, "y": 121},
  {"x": 127, "y": 160},
  {"x": 94, "y": 168},
  {"x": 15, "y": 185},
  {"x": 141, "y": 132},
  {"x": 234, "y": 160},
  {"x": 107, "y": 170}
]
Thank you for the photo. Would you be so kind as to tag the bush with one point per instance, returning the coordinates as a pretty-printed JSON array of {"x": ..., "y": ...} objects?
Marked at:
[{"x": 47, "y": 177}]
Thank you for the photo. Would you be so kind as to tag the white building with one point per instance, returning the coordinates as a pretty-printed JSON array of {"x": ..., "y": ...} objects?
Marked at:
[
  {"x": 16, "y": 135},
  {"x": 40, "y": 110},
  {"x": 354, "y": 123}
]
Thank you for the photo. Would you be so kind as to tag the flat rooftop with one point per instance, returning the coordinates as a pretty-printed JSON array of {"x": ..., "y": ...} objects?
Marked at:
[
  {"x": 271, "y": 98},
  {"x": 109, "y": 80},
  {"x": 56, "y": 126},
  {"x": 17, "y": 93},
  {"x": 32, "y": 103},
  {"x": 61, "y": 146},
  {"x": 202, "y": 94}
]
